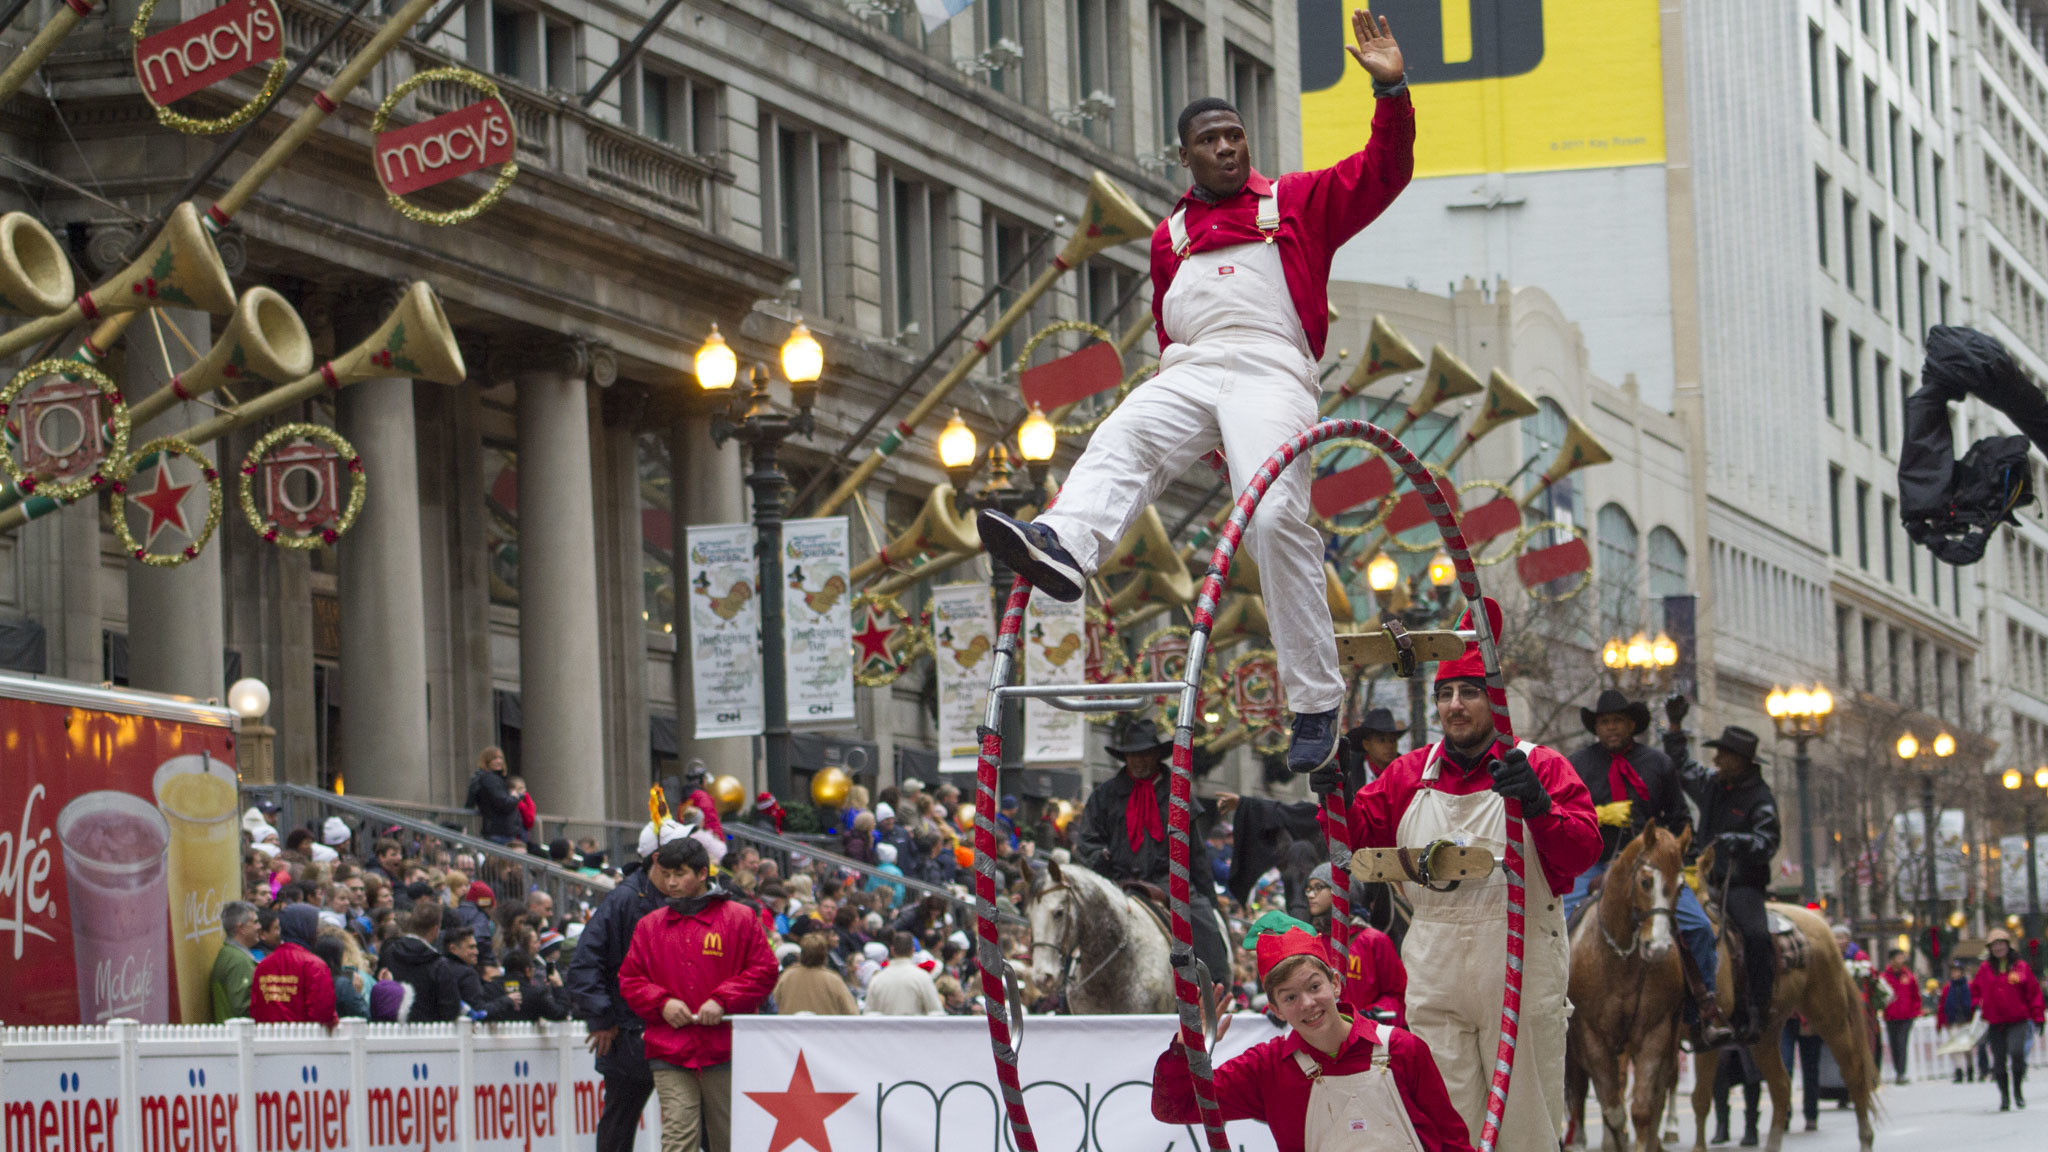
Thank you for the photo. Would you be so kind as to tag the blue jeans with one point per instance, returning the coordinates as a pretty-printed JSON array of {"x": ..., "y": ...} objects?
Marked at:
[{"x": 1694, "y": 930}]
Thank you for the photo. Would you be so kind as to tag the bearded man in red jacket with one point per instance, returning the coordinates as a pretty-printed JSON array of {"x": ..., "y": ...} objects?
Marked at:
[
  {"x": 291, "y": 985},
  {"x": 693, "y": 963}
]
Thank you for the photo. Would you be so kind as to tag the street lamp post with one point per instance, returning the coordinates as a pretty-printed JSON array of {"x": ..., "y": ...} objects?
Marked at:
[
  {"x": 1640, "y": 662},
  {"x": 755, "y": 422},
  {"x": 1416, "y": 607},
  {"x": 1801, "y": 716},
  {"x": 1943, "y": 746},
  {"x": 2031, "y": 929}
]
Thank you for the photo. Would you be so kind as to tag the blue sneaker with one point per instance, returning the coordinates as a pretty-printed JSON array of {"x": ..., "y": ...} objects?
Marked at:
[
  {"x": 1033, "y": 552},
  {"x": 1315, "y": 741}
]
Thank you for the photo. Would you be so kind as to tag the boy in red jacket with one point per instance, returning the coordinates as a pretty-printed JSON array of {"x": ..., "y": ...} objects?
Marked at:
[
  {"x": 1338, "y": 1081},
  {"x": 2007, "y": 995},
  {"x": 1902, "y": 1011},
  {"x": 292, "y": 985},
  {"x": 692, "y": 964}
]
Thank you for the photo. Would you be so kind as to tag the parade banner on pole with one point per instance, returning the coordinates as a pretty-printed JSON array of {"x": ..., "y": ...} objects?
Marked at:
[
  {"x": 1909, "y": 850},
  {"x": 725, "y": 631},
  {"x": 1087, "y": 1081},
  {"x": 2012, "y": 870},
  {"x": 118, "y": 845},
  {"x": 1054, "y": 652},
  {"x": 817, "y": 621},
  {"x": 963, "y": 644}
]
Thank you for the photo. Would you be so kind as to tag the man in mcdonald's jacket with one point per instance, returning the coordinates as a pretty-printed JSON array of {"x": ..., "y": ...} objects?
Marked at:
[
  {"x": 292, "y": 985},
  {"x": 693, "y": 963},
  {"x": 1240, "y": 287}
]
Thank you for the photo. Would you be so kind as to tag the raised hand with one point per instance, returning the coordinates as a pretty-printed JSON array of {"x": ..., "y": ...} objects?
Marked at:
[{"x": 1375, "y": 51}]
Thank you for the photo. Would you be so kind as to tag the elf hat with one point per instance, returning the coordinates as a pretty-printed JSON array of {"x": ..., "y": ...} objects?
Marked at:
[
  {"x": 1276, "y": 936},
  {"x": 1469, "y": 665}
]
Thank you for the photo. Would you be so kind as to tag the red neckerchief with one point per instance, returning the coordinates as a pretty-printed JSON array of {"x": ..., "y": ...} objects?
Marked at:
[
  {"x": 1141, "y": 813},
  {"x": 1624, "y": 782}
]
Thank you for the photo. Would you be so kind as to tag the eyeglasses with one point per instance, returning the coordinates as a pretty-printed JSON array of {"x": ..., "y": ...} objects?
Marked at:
[
  {"x": 1470, "y": 693},
  {"x": 1318, "y": 886}
]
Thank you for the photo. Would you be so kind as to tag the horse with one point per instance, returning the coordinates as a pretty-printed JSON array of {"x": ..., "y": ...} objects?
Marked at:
[
  {"x": 1110, "y": 951},
  {"x": 1824, "y": 993},
  {"x": 1626, "y": 990}
]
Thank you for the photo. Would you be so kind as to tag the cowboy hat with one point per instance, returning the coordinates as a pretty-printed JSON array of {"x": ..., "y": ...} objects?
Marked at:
[
  {"x": 1380, "y": 722},
  {"x": 1613, "y": 703},
  {"x": 1739, "y": 740},
  {"x": 1139, "y": 736}
]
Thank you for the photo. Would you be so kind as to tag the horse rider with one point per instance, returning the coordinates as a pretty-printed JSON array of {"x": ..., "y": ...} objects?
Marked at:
[
  {"x": 1631, "y": 784},
  {"x": 1375, "y": 982},
  {"x": 1337, "y": 1082},
  {"x": 1739, "y": 818},
  {"x": 1123, "y": 836},
  {"x": 1240, "y": 287},
  {"x": 1456, "y": 947}
]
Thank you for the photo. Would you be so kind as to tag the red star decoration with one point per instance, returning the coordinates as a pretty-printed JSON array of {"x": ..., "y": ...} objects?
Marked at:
[
  {"x": 165, "y": 502},
  {"x": 874, "y": 641},
  {"x": 800, "y": 1111}
]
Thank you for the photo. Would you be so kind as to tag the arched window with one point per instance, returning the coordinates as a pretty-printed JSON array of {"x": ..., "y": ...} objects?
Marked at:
[
  {"x": 1542, "y": 435},
  {"x": 1667, "y": 563},
  {"x": 1619, "y": 601}
]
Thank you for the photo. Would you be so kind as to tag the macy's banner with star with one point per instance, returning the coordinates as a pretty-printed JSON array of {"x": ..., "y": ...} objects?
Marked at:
[{"x": 920, "y": 1084}]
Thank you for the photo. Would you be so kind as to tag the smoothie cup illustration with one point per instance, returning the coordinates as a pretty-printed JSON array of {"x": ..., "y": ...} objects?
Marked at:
[
  {"x": 197, "y": 795},
  {"x": 114, "y": 849}
]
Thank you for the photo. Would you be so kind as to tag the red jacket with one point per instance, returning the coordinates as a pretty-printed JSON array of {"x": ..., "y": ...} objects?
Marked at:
[
  {"x": 1319, "y": 211},
  {"x": 709, "y": 807},
  {"x": 717, "y": 954},
  {"x": 292, "y": 986},
  {"x": 1374, "y": 976},
  {"x": 529, "y": 813},
  {"x": 1905, "y": 987},
  {"x": 2001, "y": 997},
  {"x": 1264, "y": 1083},
  {"x": 1567, "y": 837}
]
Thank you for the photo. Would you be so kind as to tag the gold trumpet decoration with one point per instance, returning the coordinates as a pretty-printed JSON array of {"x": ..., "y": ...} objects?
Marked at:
[
  {"x": 1502, "y": 404},
  {"x": 1447, "y": 379},
  {"x": 264, "y": 339},
  {"x": 67, "y": 16},
  {"x": 182, "y": 269},
  {"x": 937, "y": 539},
  {"x": 1159, "y": 579},
  {"x": 35, "y": 278},
  {"x": 1579, "y": 450},
  {"x": 1386, "y": 352},
  {"x": 1110, "y": 218}
]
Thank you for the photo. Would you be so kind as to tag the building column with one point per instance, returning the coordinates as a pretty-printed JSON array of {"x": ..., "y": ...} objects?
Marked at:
[
  {"x": 707, "y": 489},
  {"x": 177, "y": 629},
  {"x": 384, "y": 736},
  {"x": 622, "y": 601},
  {"x": 461, "y": 706},
  {"x": 560, "y": 670}
]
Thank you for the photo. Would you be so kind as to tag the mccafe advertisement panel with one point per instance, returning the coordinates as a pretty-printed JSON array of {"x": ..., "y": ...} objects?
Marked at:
[{"x": 119, "y": 842}]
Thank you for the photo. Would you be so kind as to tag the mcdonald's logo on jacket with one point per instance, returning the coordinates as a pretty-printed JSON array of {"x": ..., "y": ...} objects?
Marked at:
[{"x": 715, "y": 952}]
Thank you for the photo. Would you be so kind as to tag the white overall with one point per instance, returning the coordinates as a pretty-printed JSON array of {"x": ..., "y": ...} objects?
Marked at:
[
  {"x": 1238, "y": 374},
  {"x": 1456, "y": 950},
  {"x": 1359, "y": 1112}
]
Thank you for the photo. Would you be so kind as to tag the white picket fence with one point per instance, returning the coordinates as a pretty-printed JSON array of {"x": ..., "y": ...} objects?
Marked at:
[{"x": 127, "y": 1087}]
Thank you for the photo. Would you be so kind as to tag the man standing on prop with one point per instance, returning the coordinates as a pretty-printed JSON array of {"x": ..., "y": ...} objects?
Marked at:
[
  {"x": 1240, "y": 282},
  {"x": 1456, "y": 947},
  {"x": 1338, "y": 1082},
  {"x": 1632, "y": 784},
  {"x": 1123, "y": 836}
]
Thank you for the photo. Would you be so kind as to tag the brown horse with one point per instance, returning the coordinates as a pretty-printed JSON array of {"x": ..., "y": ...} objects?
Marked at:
[
  {"x": 1626, "y": 990},
  {"x": 1824, "y": 993}
]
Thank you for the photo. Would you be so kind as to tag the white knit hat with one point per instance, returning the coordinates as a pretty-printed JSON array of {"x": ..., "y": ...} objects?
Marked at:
[
  {"x": 884, "y": 812},
  {"x": 886, "y": 853},
  {"x": 334, "y": 832},
  {"x": 670, "y": 830}
]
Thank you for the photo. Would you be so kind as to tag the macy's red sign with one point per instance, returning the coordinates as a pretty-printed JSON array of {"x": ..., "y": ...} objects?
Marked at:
[
  {"x": 207, "y": 49},
  {"x": 448, "y": 146}
]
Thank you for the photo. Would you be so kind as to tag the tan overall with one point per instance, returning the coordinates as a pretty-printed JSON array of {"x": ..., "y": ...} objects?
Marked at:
[
  {"x": 1456, "y": 953},
  {"x": 1359, "y": 1112}
]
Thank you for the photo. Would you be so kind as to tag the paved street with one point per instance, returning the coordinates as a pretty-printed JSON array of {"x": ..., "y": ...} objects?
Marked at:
[{"x": 1922, "y": 1116}]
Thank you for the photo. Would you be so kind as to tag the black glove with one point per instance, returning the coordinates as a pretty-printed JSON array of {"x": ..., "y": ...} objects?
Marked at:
[
  {"x": 1382, "y": 1015},
  {"x": 1675, "y": 710},
  {"x": 1514, "y": 779},
  {"x": 1327, "y": 780}
]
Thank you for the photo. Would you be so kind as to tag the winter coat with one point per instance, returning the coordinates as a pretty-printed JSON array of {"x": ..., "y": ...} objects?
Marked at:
[
  {"x": 716, "y": 953},
  {"x": 818, "y": 991},
  {"x": 351, "y": 999},
  {"x": 234, "y": 969},
  {"x": 1738, "y": 817},
  {"x": 292, "y": 986},
  {"x": 496, "y": 808},
  {"x": 2009, "y": 996},
  {"x": 1905, "y": 988},
  {"x": 436, "y": 989},
  {"x": 1665, "y": 802},
  {"x": 470, "y": 916},
  {"x": 1954, "y": 1008},
  {"x": 1374, "y": 976}
]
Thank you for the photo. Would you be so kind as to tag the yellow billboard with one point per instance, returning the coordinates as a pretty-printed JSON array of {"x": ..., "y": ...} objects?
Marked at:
[{"x": 1499, "y": 85}]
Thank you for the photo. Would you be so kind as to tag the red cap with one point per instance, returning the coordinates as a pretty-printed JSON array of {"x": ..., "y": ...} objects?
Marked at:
[
  {"x": 480, "y": 894},
  {"x": 1468, "y": 665},
  {"x": 1277, "y": 946}
]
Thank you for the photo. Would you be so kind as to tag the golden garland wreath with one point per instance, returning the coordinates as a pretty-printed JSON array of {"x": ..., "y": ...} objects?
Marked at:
[
  {"x": 252, "y": 463},
  {"x": 507, "y": 172},
  {"x": 113, "y": 464},
  {"x": 199, "y": 125},
  {"x": 162, "y": 447},
  {"x": 917, "y": 640}
]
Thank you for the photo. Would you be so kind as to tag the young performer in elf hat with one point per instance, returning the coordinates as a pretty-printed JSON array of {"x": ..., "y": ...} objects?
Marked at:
[{"x": 1338, "y": 1082}]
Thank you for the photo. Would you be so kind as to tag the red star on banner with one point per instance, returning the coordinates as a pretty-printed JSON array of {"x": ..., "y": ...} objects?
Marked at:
[
  {"x": 165, "y": 502},
  {"x": 800, "y": 1111},
  {"x": 874, "y": 640}
]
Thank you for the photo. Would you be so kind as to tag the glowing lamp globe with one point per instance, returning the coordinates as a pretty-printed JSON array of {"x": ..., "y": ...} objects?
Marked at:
[
  {"x": 803, "y": 358},
  {"x": 956, "y": 443},
  {"x": 1037, "y": 438},
  {"x": 1441, "y": 570},
  {"x": 1944, "y": 745},
  {"x": 2011, "y": 779},
  {"x": 249, "y": 697},
  {"x": 1383, "y": 573},
  {"x": 716, "y": 366}
]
